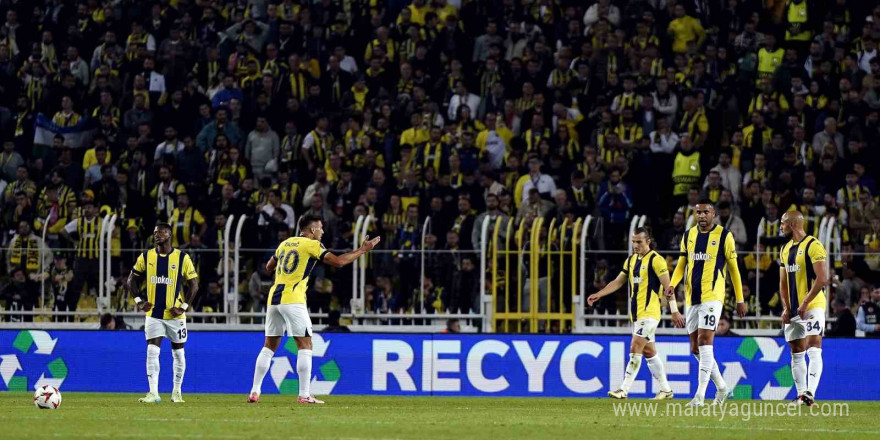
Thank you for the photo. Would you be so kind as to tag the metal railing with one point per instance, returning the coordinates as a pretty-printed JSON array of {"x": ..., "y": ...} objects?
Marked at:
[{"x": 235, "y": 313}]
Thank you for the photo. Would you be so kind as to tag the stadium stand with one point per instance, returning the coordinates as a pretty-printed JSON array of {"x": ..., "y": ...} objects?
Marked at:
[{"x": 196, "y": 112}]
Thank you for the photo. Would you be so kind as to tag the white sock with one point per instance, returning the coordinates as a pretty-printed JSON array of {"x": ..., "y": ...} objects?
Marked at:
[
  {"x": 264, "y": 361},
  {"x": 632, "y": 369},
  {"x": 179, "y": 368},
  {"x": 716, "y": 376},
  {"x": 815, "y": 354},
  {"x": 799, "y": 372},
  {"x": 304, "y": 371},
  {"x": 659, "y": 372},
  {"x": 707, "y": 359},
  {"x": 153, "y": 368}
]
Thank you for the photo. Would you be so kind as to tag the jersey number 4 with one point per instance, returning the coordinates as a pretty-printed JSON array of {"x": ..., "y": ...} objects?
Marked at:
[{"x": 288, "y": 262}]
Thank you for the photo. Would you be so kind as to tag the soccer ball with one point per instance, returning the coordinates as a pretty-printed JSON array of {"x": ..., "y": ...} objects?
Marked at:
[{"x": 47, "y": 397}]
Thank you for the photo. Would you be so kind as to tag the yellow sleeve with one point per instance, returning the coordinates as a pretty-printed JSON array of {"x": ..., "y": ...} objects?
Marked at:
[
  {"x": 189, "y": 270},
  {"x": 89, "y": 158},
  {"x": 318, "y": 250},
  {"x": 783, "y": 103},
  {"x": 703, "y": 124},
  {"x": 140, "y": 266},
  {"x": 678, "y": 275},
  {"x": 660, "y": 267},
  {"x": 198, "y": 218},
  {"x": 518, "y": 190},
  {"x": 817, "y": 252},
  {"x": 735, "y": 278},
  {"x": 481, "y": 140}
]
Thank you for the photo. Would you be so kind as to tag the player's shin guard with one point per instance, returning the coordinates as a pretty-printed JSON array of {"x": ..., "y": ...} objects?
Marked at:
[
  {"x": 658, "y": 371},
  {"x": 264, "y": 361},
  {"x": 799, "y": 372},
  {"x": 153, "y": 367},
  {"x": 632, "y": 369},
  {"x": 707, "y": 361},
  {"x": 304, "y": 371},
  {"x": 179, "y": 367},
  {"x": 815, "y": 369}
]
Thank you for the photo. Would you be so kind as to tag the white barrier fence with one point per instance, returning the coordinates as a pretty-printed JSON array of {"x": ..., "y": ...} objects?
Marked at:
[{"x": 231, "y": 316}]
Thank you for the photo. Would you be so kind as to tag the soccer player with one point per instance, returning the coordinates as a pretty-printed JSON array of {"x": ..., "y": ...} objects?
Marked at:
[
  {"x": 708, "y": 252},
  {"x": 293, "y": 262},
  {"x": 644, "y": 272},
  {"x": 802, "y": 280},
  {"x": 165, "y": 269}
]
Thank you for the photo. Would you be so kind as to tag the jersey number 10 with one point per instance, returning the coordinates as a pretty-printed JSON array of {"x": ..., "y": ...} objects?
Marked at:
[{"x": 288, "y": 262}]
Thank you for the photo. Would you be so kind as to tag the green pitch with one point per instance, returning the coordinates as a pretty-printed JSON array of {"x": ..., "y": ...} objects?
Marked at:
[{"x": 208, "y": 416}]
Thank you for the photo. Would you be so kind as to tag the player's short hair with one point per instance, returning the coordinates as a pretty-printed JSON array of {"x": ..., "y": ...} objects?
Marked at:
[
  {"x": 705, "y": 201},
  {"x": 164, "y": 225},
  {"x": 307, "y": 220},
  {"x": 646, "y": 231}
]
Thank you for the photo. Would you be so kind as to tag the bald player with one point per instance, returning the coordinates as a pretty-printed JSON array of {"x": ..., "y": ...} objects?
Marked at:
[{"x": 803, "y": 277}]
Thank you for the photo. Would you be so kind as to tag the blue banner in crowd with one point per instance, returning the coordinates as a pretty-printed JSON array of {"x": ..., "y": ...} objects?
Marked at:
[{"x": 424, "y": 364}]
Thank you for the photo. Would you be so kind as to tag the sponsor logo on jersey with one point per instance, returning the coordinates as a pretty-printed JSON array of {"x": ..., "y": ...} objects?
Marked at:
[
  {"x": 700, "y": 256},
  {"x": 637, "y": 280},
  {"x": 160, "y": 280},
  {"x": 792, "y": 268}
]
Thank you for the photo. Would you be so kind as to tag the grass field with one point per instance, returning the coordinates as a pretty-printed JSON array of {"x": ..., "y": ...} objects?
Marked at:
[{"x": 360, "y": 417}]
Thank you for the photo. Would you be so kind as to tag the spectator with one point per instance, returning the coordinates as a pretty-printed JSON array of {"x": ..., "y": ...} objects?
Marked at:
[
  {"x": 452, "y": 326},
  {"x": 18, "y": 297},
  {"x": 263, "y": 149},
  {"x": 845, "y": 324},
  {"x": 868, "y": 318},
  {"x": 333, "y": 325},
  {"x": 732, "y": 223},
  {"x": 108, "y": 322},
  {"x": 724, "y": 327}
]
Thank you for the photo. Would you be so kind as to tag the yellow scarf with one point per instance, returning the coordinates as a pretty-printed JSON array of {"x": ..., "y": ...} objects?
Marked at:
[{"x": 360, "y": 98}]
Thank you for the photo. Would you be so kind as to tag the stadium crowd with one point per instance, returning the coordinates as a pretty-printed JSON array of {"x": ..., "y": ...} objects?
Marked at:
[{"x": 192, "y": 111}]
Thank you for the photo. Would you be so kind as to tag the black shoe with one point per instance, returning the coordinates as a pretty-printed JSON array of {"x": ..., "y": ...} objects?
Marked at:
[{"x": 807, "y": 398}]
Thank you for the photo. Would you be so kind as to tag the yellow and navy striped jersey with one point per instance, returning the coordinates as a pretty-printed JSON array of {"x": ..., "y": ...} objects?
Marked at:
[
  {"x": 643, "y": 281},
  {"x": 183, "y": 224},
  {"x": 87, "y": 236},
  {"x": 295, "y": 258},
  {"x": 798, "y": 259},
  {"x": 707, "y": 255},
  {"x": 165, "y": 276}
]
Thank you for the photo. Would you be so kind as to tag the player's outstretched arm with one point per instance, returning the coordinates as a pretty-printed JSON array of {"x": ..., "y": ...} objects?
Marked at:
[
  {"x": 609, "y": 288},
  {"x": 348, "y": 258}
]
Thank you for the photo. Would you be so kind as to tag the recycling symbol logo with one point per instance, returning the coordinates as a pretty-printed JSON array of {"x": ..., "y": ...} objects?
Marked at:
[
  {"x": 776, "y": 388},
  {"x": 328, "y": 369},
  {"x": 35, "y": 342}
]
